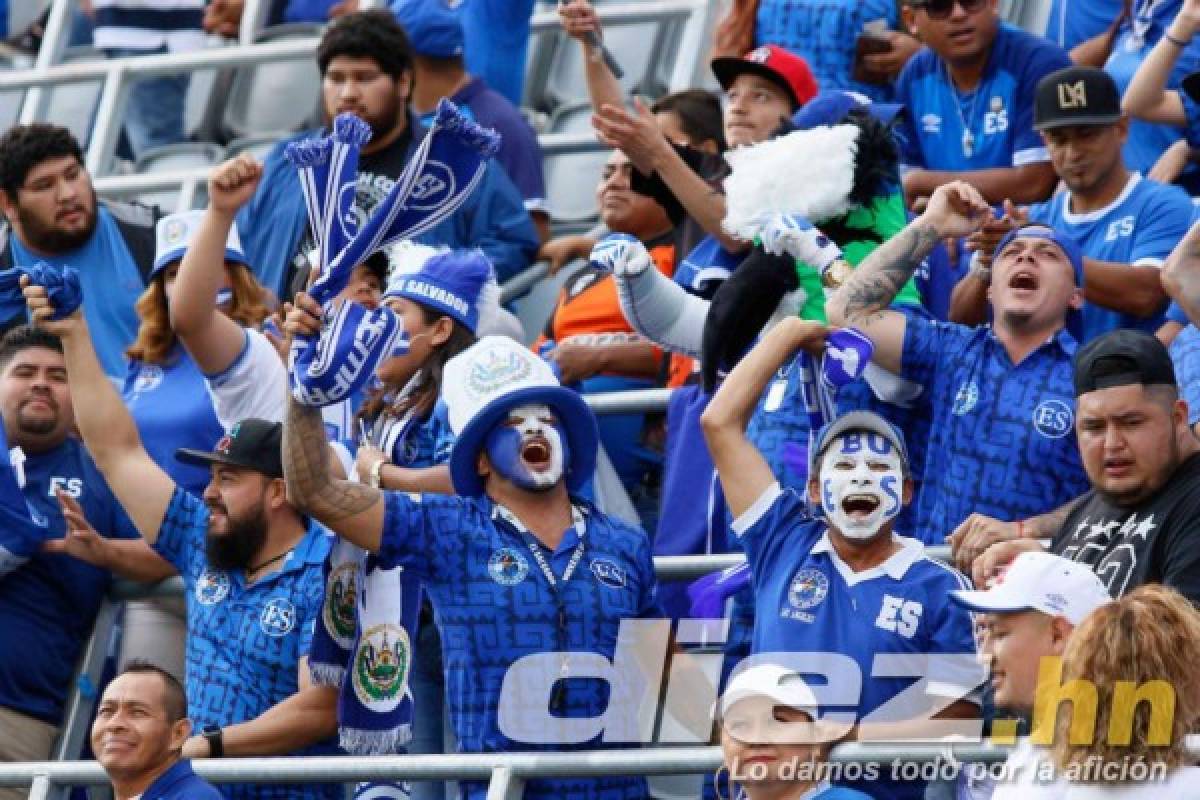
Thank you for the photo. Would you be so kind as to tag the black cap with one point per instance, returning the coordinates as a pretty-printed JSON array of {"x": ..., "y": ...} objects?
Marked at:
[
  {"x": 1191, "y": 86},
  {"x": 1120, "y": 358},
  {"x": 1076, "y": 96},
  {"x": 251, "y": 444}
]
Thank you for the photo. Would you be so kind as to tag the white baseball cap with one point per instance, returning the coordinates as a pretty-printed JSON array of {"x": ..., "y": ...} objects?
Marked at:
[
  {"x": 784, "y": 686},
  {"x": 1040, "y": 582}
]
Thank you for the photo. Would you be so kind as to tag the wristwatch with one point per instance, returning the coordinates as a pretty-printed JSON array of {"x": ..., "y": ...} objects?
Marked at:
[
  {"x": 375, "y": 474},
  {"x": 836, "y": 274},
  {"x": 216, "y": 744}
]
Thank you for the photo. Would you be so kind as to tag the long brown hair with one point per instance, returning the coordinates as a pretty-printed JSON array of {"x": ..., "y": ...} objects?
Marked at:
[
  {"x": 734, "y": 35},
  {"x": 422, "y": 399},
  {"x": 155, "y": 339}
]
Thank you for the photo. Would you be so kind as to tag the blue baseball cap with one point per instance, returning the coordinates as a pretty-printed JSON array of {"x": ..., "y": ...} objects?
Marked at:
[
  {"x": 1065, "y": 242},
  {"x": 433, "y": 26},
  {"x": 449, "y": 283},
  {"x": 831, "y": 108}
]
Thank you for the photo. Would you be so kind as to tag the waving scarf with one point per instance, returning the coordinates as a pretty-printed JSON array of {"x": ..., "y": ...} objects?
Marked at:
[{"x": 443, "y": 171}]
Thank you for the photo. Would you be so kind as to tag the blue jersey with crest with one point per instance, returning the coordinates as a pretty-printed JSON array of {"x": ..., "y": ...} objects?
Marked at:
[
  {"x": 812, "y": 604},
  {"x": 997, "y": 114},
  {"x": 1140, "y": 227},
  {"x": 494, "y": 605},
  {"x": 244, "y": 641},
  {"x": 1002, "y": 435}
]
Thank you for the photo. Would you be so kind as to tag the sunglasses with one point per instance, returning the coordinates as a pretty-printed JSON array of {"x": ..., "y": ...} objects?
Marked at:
[{"x": 941, "y": 9}]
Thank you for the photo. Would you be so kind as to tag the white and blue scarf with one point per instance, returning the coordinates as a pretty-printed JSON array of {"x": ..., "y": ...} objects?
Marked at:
[{"x": 443, "y": 171}]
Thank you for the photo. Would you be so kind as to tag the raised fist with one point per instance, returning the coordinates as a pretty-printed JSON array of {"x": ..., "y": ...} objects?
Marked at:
[{"x": 620, "y": 253}]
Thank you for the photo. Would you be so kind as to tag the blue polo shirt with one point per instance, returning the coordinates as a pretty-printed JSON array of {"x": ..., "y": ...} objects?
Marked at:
[
  {"x": 244, "y": 642},
  {"x": 180, "y": 782},
  {"x": 494, "y": 605},
  {"x": 1073, "y": 22},
  {"x": 811, "y": 602},
  {"x": 1140, "y": 227},
  {"x": 1002, "y": 435},
  {"x": 172, "y": 408},
  {"x": 998, "y": 111},
  {"x": 48, "y": 605}
]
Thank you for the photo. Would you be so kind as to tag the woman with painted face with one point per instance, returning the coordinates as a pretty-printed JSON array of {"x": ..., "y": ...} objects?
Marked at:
[
  {"x": 772, "y": 746},
  {"x": 829, "y": 575}
]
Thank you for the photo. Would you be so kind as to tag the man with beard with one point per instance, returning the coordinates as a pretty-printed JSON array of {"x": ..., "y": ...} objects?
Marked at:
[
  {"x": 367, "y": 70},
  {"x": 519, "y": 567},
  {"x": 831, "y": 594},
  {"x": 1125, "y": 224},
  {"x": 47, "y": 605},
  {"x": 47, "y": 198},
  {"x": 251, "y": 563},
  {"x": 1002, "y": 440}
]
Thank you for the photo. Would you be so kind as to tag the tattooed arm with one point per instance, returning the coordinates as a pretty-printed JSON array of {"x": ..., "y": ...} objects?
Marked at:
[
  {"x": 955, "y": 209},
  {"x": 1181, "y": 274}
]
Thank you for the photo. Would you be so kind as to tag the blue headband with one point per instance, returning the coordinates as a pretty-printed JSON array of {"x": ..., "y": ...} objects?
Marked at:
[{"x": 1067, "y": 244}]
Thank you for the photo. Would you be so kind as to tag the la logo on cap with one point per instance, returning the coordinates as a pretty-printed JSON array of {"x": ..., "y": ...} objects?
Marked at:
[
  {"x": 759, "y": 55},
  {"x": 1072, "y": 95}
]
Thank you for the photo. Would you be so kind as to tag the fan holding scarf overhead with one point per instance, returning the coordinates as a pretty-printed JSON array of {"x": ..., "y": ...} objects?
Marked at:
[{"x": 361, "y": 644}]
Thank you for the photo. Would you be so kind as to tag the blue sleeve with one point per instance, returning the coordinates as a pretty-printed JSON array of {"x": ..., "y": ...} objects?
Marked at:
[
  {"x": 1176, "y": 314},
  {"x": 768, "y": 529},
  {"x": 181, "y": 537},
  {"x": 1160, "y": 226},
  {"x": 494, "y": 219},
  {"x": 521, "y": 157},
  {"x": 1027, "y": 144},
  {"x": 1191, "y": 113},
  {"x": 906, "y": 130},
  {"x": 421, "y": 532},
  {"x": 439, "y": 423},
  {"x": 925, "y": 342},
  {"x": 952, "y": 634}
]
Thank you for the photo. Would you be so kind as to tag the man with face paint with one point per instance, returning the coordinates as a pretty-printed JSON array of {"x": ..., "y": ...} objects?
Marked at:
[
  {"x": 844, "y": 588},
  {"x": 517, "y": 565}
]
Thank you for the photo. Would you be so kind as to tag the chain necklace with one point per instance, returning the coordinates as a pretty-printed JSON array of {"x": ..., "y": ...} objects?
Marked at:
[{"x": 968, "y": 136}]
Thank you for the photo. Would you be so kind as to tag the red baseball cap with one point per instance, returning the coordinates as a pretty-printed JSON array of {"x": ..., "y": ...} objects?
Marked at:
[{"x": 775, "y": 64}]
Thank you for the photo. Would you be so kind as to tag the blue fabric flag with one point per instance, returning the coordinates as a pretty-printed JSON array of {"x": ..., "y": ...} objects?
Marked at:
[
  {"x": 335, "y": 365},
  {"x": 63, "y": 289},
  {"x": 20, "y": 537}
]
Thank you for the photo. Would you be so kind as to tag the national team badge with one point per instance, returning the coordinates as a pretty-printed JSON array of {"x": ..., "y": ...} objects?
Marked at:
[
  {"x": 381, "y": 666},
  {"x": 211, "y": 587},
  {"x": 278, "y": 617},
  {"x": 507, "y": 567},
  {"x": 966, "y": 399},
  {"x": 341, "y": 599},
  {"x": 1053, "y": 419},
  {"x": 149, "y": 377},
  {"x": 609, "y": 573},
  {"x": 808, "y": 588},
  {"x": 494, "y": 369}
]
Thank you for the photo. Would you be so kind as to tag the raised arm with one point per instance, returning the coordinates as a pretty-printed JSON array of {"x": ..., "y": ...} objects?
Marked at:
[
  {"x": 351, "y": 510},
  {"x": 1147, "y": 96},
  {"x": 1029, "y": 183},
  {"x": 108, "y": 431},
  {"x": 579, "y": 20},
  {"x": 743, "y": 471},
  {"x": 954, "y": 210},
  {"x": 1181, "y": 274},
  {"x": 212, "y": 339}
]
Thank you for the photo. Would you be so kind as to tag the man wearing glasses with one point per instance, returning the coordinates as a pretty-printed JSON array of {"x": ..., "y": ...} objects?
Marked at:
[
  {"x": 48, "y": 201},
  {"x": 969, "y": 96}
]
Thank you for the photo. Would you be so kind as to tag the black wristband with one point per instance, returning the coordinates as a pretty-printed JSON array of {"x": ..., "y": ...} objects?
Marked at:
[{"x": 216, "y": 743}]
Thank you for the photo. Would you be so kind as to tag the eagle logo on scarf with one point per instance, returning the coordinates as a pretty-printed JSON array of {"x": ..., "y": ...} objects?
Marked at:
[
  {"x": 341, "y": 597},
  {"x": 381, "y": 666}
]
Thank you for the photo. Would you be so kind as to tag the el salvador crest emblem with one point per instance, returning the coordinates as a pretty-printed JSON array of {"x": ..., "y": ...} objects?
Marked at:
[
  {"x": 211, "y": 587},
  {"x": 507, "y": 567},
  {"x": 381, "y": 666},
  {"x": 341, "y": 599},
  {"x": 808, "y": 588}
]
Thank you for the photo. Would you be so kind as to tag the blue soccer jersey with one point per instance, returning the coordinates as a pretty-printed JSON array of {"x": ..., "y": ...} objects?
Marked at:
[
  {"x": 244, "y": 642},
  {"x": 1002, "y": 436},
  {"x": 990, "y": 126},
  {"x": 1073, "y": 22},
  {"x": 495, "y": 605},
  {"x": 811, "y": 602},
  {"x": 1139, "y": 228}
]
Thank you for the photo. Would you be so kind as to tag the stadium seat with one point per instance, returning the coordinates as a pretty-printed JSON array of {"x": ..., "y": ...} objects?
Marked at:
[
  {"x": 73, "y": 105},
  {"x": 172, "y": 157},
  {"x": 205, "y": 104},
  {"x": 571, "y": 177},
  {"x": 257, "y": 146},
  {"x": 277, "y": 98},
  {"x": 10, "y": 100}
]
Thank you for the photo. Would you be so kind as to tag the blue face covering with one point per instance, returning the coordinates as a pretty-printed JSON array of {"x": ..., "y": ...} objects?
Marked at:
[{"x": 506, "y": 441}]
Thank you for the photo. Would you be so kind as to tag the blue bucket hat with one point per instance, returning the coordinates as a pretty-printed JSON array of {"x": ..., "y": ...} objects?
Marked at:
[
  {"x": 433, "y": 26},
  {"x": 174, "y": 234},
  {"x": 1065, "y": 242},
  {"x": 492, "y": 377},
  {"x": 449, "y": 283}
]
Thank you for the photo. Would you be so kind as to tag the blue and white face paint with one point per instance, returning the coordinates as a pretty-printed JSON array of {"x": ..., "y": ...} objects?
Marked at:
[
  {"x": 861, "y": 480},
  {"x": 529, "y": 448}
]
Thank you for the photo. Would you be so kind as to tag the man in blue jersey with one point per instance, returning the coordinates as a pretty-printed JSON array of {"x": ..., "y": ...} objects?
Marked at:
[
  {"x": 518, "y": 566},
  {"x": 250, "y": 562},
  {"x": 1126, "y": 226},
  {"x": 969, "y": 98},
  {"x": 1000, "y": 397},
  {"x": 365, "y": 60},
  {"x": 832, "y": 594},
  {"x": 47, "y": 198},
  {"x": 48, "y": 604}
]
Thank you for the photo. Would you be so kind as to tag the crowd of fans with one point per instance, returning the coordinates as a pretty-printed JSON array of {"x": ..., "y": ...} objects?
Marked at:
[{"x": 915, "y": 277}]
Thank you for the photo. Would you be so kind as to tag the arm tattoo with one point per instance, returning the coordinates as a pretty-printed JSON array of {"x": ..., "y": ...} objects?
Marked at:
[
  {"x": 306, "y": 468},
  {"x": 879, "y": 278},
  {"x": 1046, "y": 526}
]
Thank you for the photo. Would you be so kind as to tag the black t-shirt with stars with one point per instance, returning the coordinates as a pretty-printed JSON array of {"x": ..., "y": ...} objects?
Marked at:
[{"x": 1156, "y": 541}]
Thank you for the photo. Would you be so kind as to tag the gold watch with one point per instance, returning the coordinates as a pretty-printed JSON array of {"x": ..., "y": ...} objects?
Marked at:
[{"x": 836, "y": 274}]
